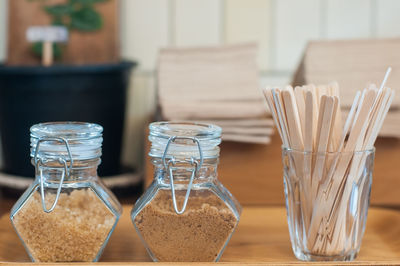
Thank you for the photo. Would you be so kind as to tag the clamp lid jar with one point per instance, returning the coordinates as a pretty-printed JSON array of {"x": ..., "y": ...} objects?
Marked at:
[
  {"x": 67, "y": 214},
  {"x": 186, "y": 214}
]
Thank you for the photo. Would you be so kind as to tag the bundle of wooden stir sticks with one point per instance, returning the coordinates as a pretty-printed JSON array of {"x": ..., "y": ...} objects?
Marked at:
[{"x": 309, "y": 119}]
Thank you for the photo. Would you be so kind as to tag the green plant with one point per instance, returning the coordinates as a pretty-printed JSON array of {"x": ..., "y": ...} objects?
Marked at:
[
  {"x": 79, "y": 15},
  {"x": 76, "y": 15}
]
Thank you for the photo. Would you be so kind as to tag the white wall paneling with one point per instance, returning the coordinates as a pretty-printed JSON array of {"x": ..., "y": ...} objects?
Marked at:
[
  {"x": 282, "y": 29},
  {"x": 197, "y": 22},
  {"x": 3, "y": 29},
  {"x": 388, "y": 18},
  {"x": 250, "y": 21},
  {"x": 296, "y": 22},
  {"x": 3, "y": 45},
  {"x": 141, "y": 104},
  {"x": 144, "y": 30},
  {"x": 275, "y": 79},
  {"x": 347, "y": 19}
]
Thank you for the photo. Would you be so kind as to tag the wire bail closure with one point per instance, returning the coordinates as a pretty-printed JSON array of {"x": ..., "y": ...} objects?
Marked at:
[
  {"x": 196, "y": 166},
  {"x": 66, "y": 170}
]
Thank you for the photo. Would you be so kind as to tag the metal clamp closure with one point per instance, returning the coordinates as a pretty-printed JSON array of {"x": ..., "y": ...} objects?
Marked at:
[
  {"x": 41, "y": 161},
  {"x": 196, "y": 166}
]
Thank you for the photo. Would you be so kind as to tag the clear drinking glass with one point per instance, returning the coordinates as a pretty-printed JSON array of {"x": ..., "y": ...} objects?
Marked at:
[
  {"x": 327, "y": 200},
  {"x": 67, "y": 214},
  {"x": 186, "y": 214}
]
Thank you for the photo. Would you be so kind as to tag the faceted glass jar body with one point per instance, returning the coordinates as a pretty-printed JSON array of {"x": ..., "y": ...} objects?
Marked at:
[
  {"x": 327, "y": 210},
  {"x": 85, "y": 212},
  {"x": 204, "y": 226}
]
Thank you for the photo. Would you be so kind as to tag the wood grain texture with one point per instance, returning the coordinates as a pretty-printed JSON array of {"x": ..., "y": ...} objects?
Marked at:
[
  {"x": 253, "y": 173},
  {"x": 261, "y": 237},
  {"x": 83, "y": 48}
]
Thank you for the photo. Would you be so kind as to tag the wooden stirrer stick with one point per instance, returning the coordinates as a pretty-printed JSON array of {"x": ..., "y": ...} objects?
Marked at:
[
  {"x": 293, "y": 121},
  {"x": 300, "y": 101},
  {"x": 281, "y": 116},
  {"x": 270, "y": 102}
]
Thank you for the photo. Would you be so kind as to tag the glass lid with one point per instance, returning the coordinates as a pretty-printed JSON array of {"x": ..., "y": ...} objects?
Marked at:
[{"x": 84, "y": 140}]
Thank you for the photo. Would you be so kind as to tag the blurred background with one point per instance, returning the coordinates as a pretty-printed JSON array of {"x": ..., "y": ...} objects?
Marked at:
[{"x": 280, "y": 28}]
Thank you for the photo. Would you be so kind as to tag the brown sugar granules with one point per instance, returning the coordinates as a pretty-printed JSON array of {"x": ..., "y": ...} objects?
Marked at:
[
  {"x": 198, "y": 234},
  {"x": 74, "y": 231}
]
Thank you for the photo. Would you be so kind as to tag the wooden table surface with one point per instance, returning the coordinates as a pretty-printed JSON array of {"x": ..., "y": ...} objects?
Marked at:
[{"x": 261, "y": 238}]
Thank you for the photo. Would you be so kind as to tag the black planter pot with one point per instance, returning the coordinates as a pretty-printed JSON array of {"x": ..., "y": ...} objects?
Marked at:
[{"x": 90, "y": 93}]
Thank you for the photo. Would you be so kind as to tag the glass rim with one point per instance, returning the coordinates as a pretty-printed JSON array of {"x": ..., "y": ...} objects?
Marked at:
[
  {"x": 69, "y": 140},
  {"x": 202, "y": 131},
  {"x": 54, "y": 129},
  {"x": 328, "y": 152}
]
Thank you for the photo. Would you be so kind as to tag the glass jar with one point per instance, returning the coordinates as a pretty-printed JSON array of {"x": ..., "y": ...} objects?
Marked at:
[
  {"x": 186, "y": 214},
  {"x": 67, "y": 214},
  {"x": 327, "y": 209}
]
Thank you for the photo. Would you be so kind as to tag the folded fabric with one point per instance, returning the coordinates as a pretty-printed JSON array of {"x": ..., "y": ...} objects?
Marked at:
[
  {"x": 211, "y": 73},
  {"x": 260, "y": 122},
  {"x": 247, "y": 138},
  {"x": 352, "y": 63},
  {"x": 212, "y": 109},
  {"x": 217, "y": 85},
  {"x": 391, "y": 125}
]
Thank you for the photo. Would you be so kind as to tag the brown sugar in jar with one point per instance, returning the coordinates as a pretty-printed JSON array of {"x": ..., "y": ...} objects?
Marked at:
[
  {"x": 74, "y": 231},
  {"x": 67, "y": 214},
  {"x": 186, "y": 214},
  {"x": 198, "y": 234}
]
